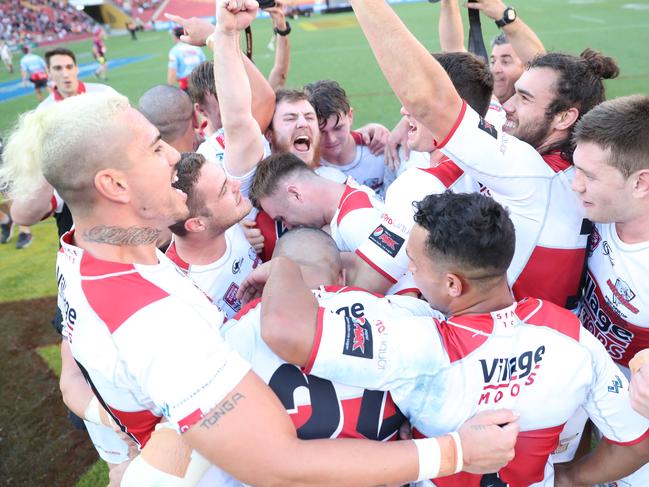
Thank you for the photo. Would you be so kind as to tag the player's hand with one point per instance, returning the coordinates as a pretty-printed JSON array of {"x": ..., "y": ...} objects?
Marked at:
[
  {"x": 639, "y": 386},
  {"x": 375, "y": 137},
  {"x": 397, "y": 138},
  {"x": 277, "y": 15},
  {"x": 232, "y": 16},
  {"x": 196, "y": 30},
  {"x": 486, "y": 446},
  {"x": 253, "y": 235},
  {"x": 491, "y": 8},
  {"x": 253, "y": 285}
]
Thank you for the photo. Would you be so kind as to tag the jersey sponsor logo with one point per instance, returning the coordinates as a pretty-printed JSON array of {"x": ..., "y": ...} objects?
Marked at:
[
  {"x": 252, "y": 255},
  {"x": 599, "y": 318},
  {"x": 392, "y": 222},
  {"x": 358, "y": 338},
  {"x": 508, "y": 375},
  {"x": 230, "y": 298},
  {"x": 236, "y": 265},
  {"x": 387, "y": 241},
  {"x": 617, "y": 385},
  {"x": 488, "y": 128},
  {"x": 622, "y": 294},
  {"x": 593, "y": 241}
]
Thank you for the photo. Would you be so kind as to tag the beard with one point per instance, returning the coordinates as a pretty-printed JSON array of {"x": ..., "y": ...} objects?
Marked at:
[
  {"x": 533, "y": 133},
  {"x": 279, "y": 146}
]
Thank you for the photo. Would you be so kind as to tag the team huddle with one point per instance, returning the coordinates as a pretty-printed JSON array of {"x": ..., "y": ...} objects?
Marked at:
[{"x": 253, "y": 293}]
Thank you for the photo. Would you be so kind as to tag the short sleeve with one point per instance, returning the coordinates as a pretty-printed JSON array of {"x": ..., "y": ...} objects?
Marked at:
[
  {"x": 180, "y": 360},
  {"x": 608, "y": 404}
]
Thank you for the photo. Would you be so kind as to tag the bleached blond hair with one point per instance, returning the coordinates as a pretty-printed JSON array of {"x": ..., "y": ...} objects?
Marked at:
[{"x": 67, "y": 143}]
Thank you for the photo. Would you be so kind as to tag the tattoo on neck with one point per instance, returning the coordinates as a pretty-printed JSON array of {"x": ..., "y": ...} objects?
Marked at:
[
  {"x": 222, "y": 409},
  {"x": 122, "y": 236}
]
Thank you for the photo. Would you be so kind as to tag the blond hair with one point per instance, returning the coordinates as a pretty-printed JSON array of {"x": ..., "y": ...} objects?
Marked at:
[{"x": 67, "y": 143}]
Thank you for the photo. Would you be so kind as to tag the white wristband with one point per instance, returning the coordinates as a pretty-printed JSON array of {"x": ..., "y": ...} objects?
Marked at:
[
  {"x": 429, "y": 458},
  {"x": 458, "y": 446},
  {"x": 92, "y": 411}
]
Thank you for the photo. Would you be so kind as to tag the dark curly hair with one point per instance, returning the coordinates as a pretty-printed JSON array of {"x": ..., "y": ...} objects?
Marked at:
[{"x": 469, "y": 230}]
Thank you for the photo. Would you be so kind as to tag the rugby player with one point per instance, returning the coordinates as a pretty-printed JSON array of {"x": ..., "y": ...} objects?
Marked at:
[
  {"x": 526, "y": 166},
  {"x": 490, "y": 350},
  {"x": 121, "y": 197}
]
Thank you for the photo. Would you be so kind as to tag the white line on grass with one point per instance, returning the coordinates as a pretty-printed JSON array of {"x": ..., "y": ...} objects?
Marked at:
[{"x": 588, "y": 19}]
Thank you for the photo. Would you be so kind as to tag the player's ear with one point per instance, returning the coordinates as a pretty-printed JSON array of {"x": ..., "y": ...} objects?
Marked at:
[
  {"x": 195, "y": 224},
  {"x": 454, "y": 285},
  {"x": 111, "y": 184},
  {"x": 641, "y": 183},
  {"x": 294, "y": 193}
]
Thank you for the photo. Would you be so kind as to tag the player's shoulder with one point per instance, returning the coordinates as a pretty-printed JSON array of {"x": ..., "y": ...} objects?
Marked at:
[{"x": 543, "y": 313}]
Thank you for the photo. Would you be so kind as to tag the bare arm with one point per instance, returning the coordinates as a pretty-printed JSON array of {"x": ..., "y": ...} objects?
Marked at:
[
  {"x": 608, "y": 462},
  {"x": 245, "y": 97},
  {"x": 33, "y": 208},
  {"x": 451, "y": 29},
  {"x": 525, "y": 42},
  {"x": 427, "y": 92},
  {"x": 74, "y": 388},
  {"x": 279, "y": 73},
  {"x": 360, "y": 274},
  {"x": 171, "y": 76}
]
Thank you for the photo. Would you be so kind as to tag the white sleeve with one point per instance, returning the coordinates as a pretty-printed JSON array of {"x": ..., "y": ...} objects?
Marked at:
[
  {"x": 384, "y": 248},
  {"x": 185, "y": 366},
  {"x": 378, "y": 355},
  {"x": 608, "y": 404},
  {"x": 354, "y": 227},
  {"x": 506, "y": 165}
]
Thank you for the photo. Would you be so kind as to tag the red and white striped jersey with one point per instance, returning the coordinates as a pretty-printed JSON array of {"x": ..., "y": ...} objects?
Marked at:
[
  {"x": 356, "y": 215},
  {"x": 532, "y": 357},
  {"x": 221, "y": 279},
  {"x": 385, "y": 248},
  {"x": 148, "y": 339},
  {"x": 615, "y": 306},
  {"x": 551, "y": 232}
]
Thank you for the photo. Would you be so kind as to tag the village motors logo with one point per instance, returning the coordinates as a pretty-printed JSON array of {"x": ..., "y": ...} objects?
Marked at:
[{"x": 507, "y": 375}]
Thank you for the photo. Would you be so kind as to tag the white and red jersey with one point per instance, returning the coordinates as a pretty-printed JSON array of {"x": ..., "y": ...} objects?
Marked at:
[
  {"x": 496, "y": 114},
  {"x": 356, "y": 215},
  {"x": 385, "y": 249},
  {"x": 320, "y": 408},
  {"x": 55, "y": 96},
  {"x": 221, "y": 279},
  {"x": 615, "y": 306},
  {"x": 366, "y": 168},
  {"x": 148, "y": 339},
  {"x": 551, "y": 232},
  {"x": 532, "y": 357},
  {"x": 213, "y": 149}
]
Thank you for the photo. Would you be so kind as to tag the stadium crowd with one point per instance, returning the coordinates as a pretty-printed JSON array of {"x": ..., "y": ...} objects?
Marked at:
[
  {"x": 243, "y": 277},
  {"x": 40, "y": 20}
]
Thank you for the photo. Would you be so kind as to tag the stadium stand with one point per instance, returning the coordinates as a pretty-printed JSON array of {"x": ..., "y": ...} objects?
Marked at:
[{"x": 42, "y": 21}]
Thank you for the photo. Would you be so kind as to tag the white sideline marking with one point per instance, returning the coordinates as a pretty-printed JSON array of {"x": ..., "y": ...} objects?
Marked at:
[{"x": 588, "y": 19}]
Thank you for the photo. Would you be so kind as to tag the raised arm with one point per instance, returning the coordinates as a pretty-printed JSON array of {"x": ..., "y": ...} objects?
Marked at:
[
  {"x": 523, "y": 40},
  {"x": 279, "y": 73},
  {"x": 451, "y": 29},
  {"x": 427, "y": 92}
]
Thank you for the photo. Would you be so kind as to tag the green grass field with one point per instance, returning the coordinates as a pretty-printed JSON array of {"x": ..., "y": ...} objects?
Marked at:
[{"x": 330, "y": 46}]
